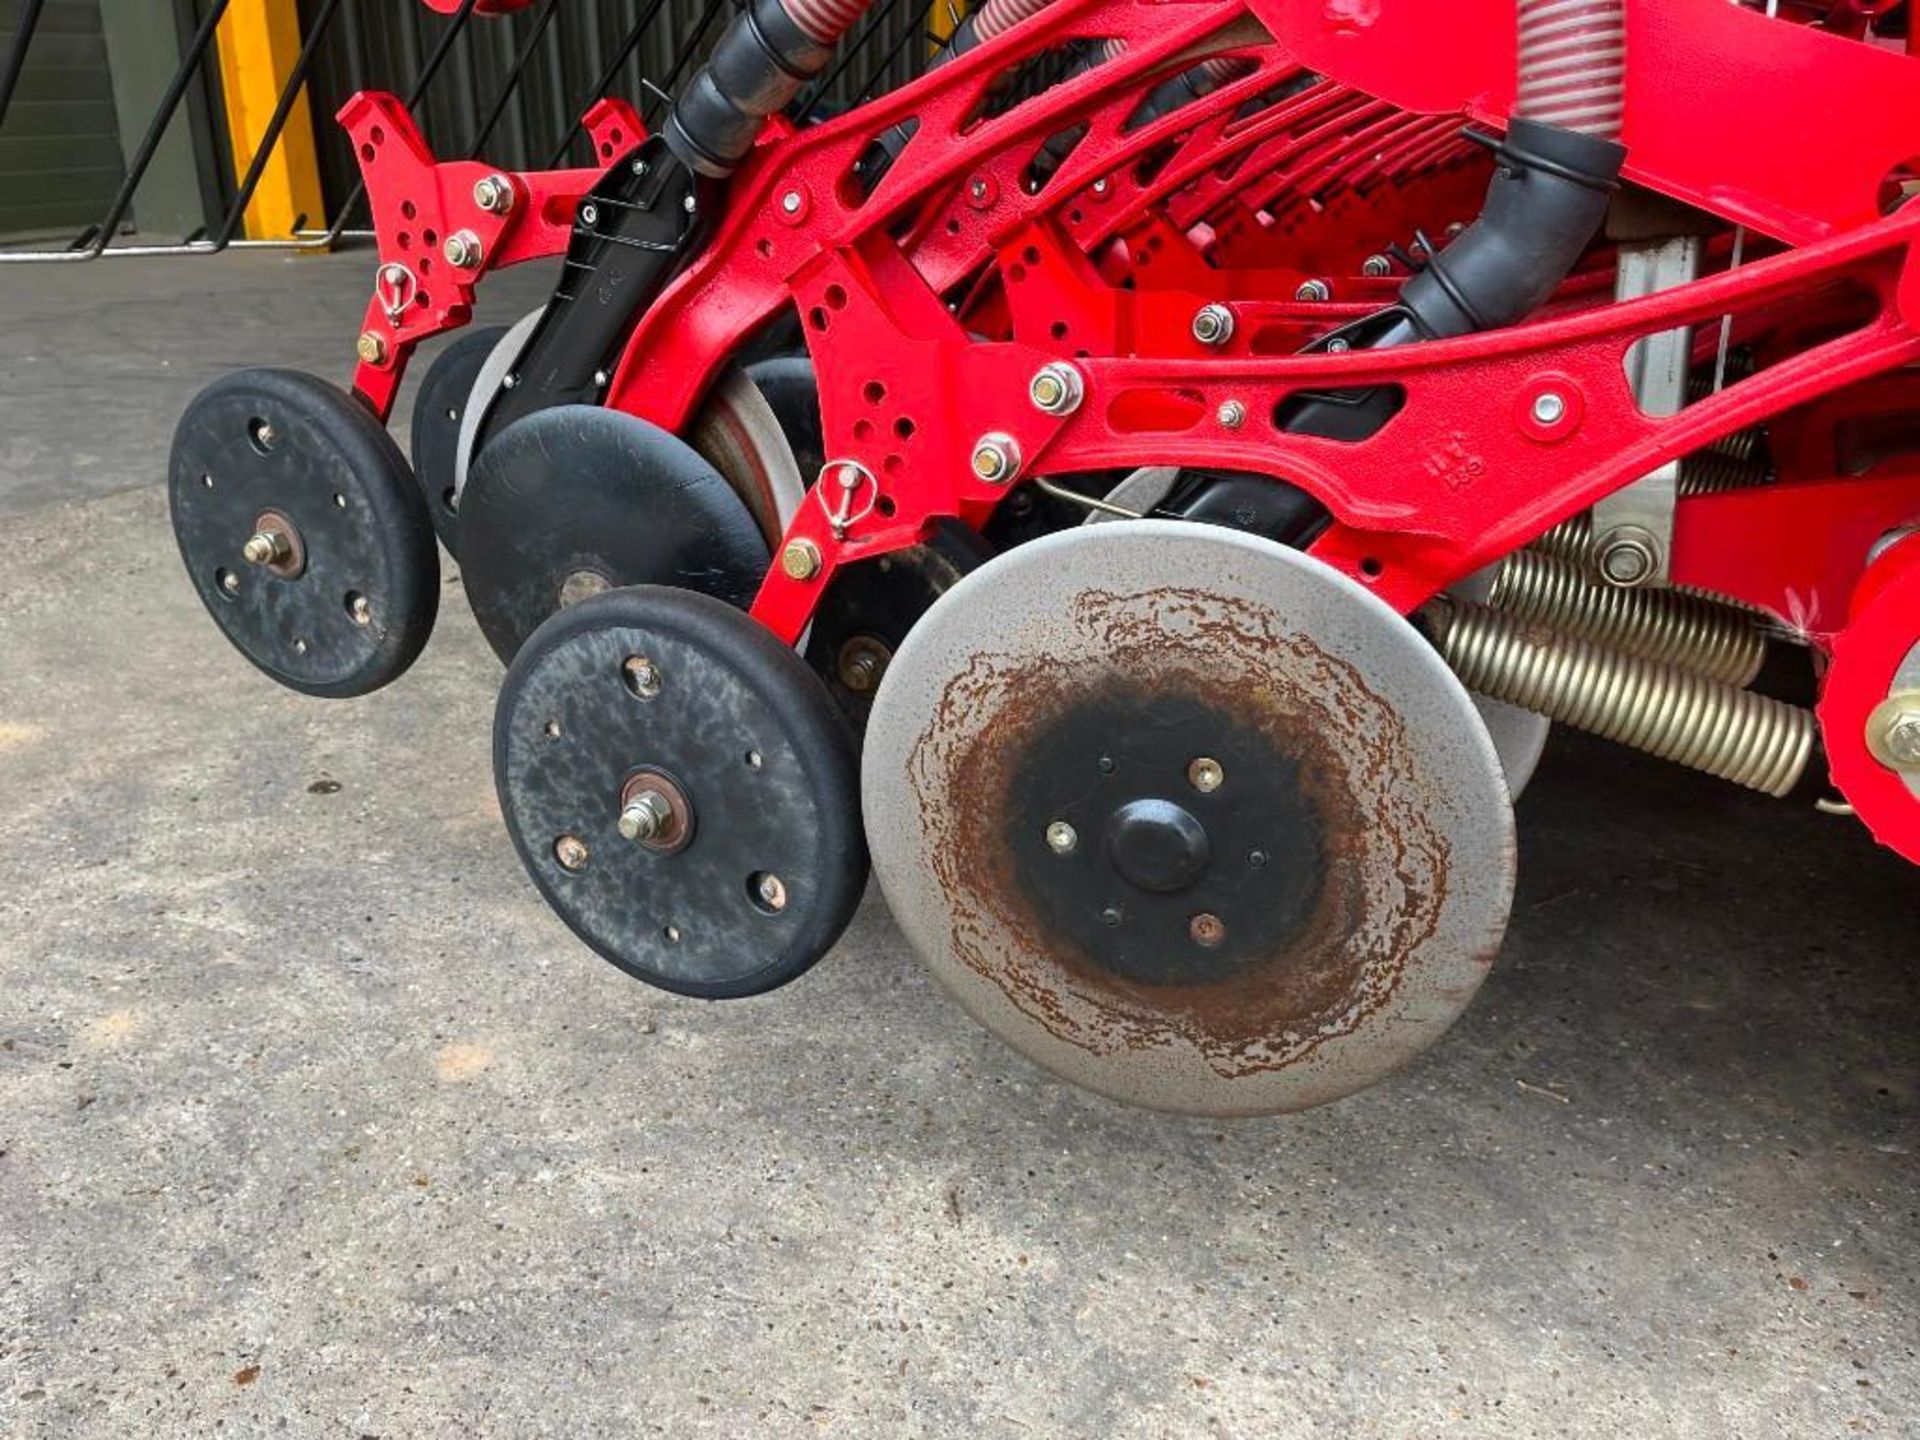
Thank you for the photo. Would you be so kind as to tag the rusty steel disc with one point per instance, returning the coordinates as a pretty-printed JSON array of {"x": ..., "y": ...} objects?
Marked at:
[{"x": 1188, "y": 818}]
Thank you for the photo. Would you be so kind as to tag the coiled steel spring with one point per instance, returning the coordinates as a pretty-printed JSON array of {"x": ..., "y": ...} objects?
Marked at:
[
  {"x": 1702, "y": 473},
  {"x": 1666, "y": 710},
  {"x": 1670, "y": 626}
]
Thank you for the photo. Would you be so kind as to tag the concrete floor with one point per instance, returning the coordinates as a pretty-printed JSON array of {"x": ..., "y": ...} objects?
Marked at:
[{"x": 313, "y": 1121}]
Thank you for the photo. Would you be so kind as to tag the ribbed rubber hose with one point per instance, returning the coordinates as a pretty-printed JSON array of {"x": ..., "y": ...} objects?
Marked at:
[
  {"x": 1573, "y": 63},
  {"x": 997, "y": 16},
  {"x": 825, "y": 20}
]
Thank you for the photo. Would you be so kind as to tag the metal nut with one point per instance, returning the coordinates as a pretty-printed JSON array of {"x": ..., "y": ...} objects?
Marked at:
[
  {"x": 646, "y": 817},
  {"x": 372, "y": 348},
  {"x": 996, "y": 458},
  {"x": 1062, "y": 837},
  {"x": 800, "y": 560},
  {"x": 1549, "y": 407},
  {"x": 1207, "y": 929},
  {"x": 1893, "y": 731},
  {"x": 1313, "y": 290},
  {"x": 265, "y": 547},
  {"x": 1205, "y": 774},
  {"x": 463, "y": 250},
  {"x": 1057, "y": 389},
  {"x": 1231, "y": 414},
  {"x": 571, "y": 852},
  {"x": 494, "y": 194},
  {"x": 1377, "y": 266},
  {"x": 1213, "y": 324}
]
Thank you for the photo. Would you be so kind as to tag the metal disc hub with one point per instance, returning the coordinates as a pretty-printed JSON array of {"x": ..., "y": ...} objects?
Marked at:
[
  {"x": 1188, "y": 817},
  {"x": 682, "y": 790}
]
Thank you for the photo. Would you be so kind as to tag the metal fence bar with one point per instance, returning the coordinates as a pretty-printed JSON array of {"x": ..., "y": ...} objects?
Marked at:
[{"x": 17, "y": 56}]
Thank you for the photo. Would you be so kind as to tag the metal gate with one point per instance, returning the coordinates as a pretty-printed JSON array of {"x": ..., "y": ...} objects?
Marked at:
[{"x": 60, "y": 156}]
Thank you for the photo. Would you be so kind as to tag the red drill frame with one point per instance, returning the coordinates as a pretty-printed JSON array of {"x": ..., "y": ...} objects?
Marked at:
[{"x": 1463, "y": 474}]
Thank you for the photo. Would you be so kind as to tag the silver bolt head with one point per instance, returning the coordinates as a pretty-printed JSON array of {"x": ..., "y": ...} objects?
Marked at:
[
  {"x": 1315, "y": 290},
  {"x": 1231, "y": 414},
  {"x": 790, "y": 202},
  {"x": 1213, "y": 324},
  {"x": 1376, "y": 266},
  {"x": 1900, "y": 739},
  {"x": 589, "y": 214},
  {"x": 646, "y": 815},
  {"x": 1062, "y": 837},
  {"x": 1206, "y": 775},
  {"x": 571, "y": 852},
  {"x": 772, "y": 891},
  {"x": 1102, "y": 185},
  {"x": 1549, "y": 407},
  {"x": 1057, "y": 389},
  {"x": 361, "y": 611},
  {"x": 689, "y": 204},
  {"x": 494, "y": 194},
  {"x": 996, "y": 458},
  {"x": 462, "y": 249},
  {"x": 263, "y": 548}
]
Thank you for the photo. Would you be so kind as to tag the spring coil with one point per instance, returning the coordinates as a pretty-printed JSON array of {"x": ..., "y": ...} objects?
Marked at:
[
  {"x": 1741, "y": 444},
  {"x": 1704, "y": 472},
  {"x": 1665, "y": 625},
  {"x": 1665, "y": 710}
]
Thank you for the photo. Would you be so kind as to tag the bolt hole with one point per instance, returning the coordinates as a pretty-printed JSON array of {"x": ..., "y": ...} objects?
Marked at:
[
  {"x": 817, "y": 318},
  {"x": 903, "y": 427},
  {"x": 953, "y": 227},
  {"x": 766, "y": 892},
  {"x": 408, "y": 211},
  {"x": 366, "y": 152},
  {"x": 299, "y": 647},
  {"x": 874, "y": 392},
  {"x": 357, "y": 608},
  {"x": 207, "y": 480},
  {"x": 1031, "y": 255},
  {"x": 863, "y": 429},
  {"x": 430, "y": 237},
  {"x": 1372, "y": 568},
  {"x": 836, "y": 297},
  {"x": 1058, "y": 330},
  {"x": 227, "y": 583},
  {"x": 1016, "y": 273},
  {"x": 885, "y": 505},
  {"x": 754, "y": 759},
  {"x": 260, "y": 435},
  {"x": 671, "y": 934},
  {"x": 339, "y": 501},
  {"x": 765, "y": 248},
  {"x": 552, "y": 728},
  {"x": 450, "y": 499}
]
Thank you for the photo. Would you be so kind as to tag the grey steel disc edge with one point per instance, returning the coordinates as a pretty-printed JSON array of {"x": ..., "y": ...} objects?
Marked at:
[{"x": 1031, "y": 590}]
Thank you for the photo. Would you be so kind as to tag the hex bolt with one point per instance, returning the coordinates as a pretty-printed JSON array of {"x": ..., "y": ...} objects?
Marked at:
[
  {"x": 1205, "y": 774},
  {"x": 463, "y": 250},
  {"x": 266, "y": 547},
  {"x": 1207, "y": 929},
  {"x": 1549, "y": 407},
  {"x": 978, "y": 188},
  {"x": 1057, "y": 389},
  {"x": 1213, "y": 324},
  {"x": 1893, "y": 732},
  {"x": 646, "y": 817},
  {"x": 996, "y": 458},
  {"x": 1062, "y": 837},
  {"x": 1626, "y": 557},
  {"x": 571, "y": 852},
  {"x": 229, "y": 582},
  {"x": 1378, "y": 266},
  {"x": 360, "y": 610},
  {"x": 1231, "y": 414},
  {"x": 771, "y": 890},
  {"x": 642, "y": 676},
  {"x": 1110, "y": 916},
  {"x": 791, "y": 202},
  {"x": 493, "y": 194},
  {"x": 1313, "y": 290},
  {"x": 800, "y": 560},
  {"x": 372, "y": 348},
  {"x": 1102, "y": 185}
]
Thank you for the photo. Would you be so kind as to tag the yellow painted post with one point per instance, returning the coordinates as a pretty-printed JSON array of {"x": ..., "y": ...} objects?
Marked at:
[
  {"x": 259, "y": 40},
  {"x": 943, "y": 18}
]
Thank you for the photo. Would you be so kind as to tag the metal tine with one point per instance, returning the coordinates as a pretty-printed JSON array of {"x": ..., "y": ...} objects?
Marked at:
[
  {"x": 851, "y": 51},
  {"x": 687, "y": 52},
  {"x": 512, "y": 83},
  {"x": 629, "y": 44}
]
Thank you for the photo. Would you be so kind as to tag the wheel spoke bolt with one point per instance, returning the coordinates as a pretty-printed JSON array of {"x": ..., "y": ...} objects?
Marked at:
[
  {"x": 1205, "y": 775},
  {"x": 996, "y": 458},
  {"x": 1549, "y": 407},
  {"x": 1062, "y": 837},
  {"x": 643, "y": 677},
  {"x": 360, "y": 610},
  {"x": 1206, "y": 929},
  {"x": 1213, "y": 324},
  {"x": 1057, "y": 389},
  {"x": 771, "y": 890},
  {"x": 571, "y": 852},
  {"x": 646, "y": 816}
]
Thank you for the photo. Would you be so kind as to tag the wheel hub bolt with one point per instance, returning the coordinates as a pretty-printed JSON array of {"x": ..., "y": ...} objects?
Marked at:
[
  {"x": 571, "y": 852},
  {"x": 463, "y": 250},
  {"x": 494, "y": 194},
  {"x": 1206, "y": 929},
  {"x": 1062, "y": 837},
  {"x": 1315, "y": 290},
  {"x": 1057, "y": 389},
  {"x": 996, "y": 458},
  {"x": 266, "y": 547},
  {"x": 1205, "y": 775},
  {"x": 1549, "y": 407},
  {"x": 646, "y": 817},
  {"x": 1213, "y": 324}
]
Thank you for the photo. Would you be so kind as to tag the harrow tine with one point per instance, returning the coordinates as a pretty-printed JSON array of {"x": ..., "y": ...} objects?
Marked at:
[{"x": 17, "y": 56}]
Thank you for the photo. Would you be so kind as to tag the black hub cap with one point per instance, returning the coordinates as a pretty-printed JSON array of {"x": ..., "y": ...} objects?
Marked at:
[
  {"x": 1173, "y": 844},
  {"x": 682, "y": 790}
]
